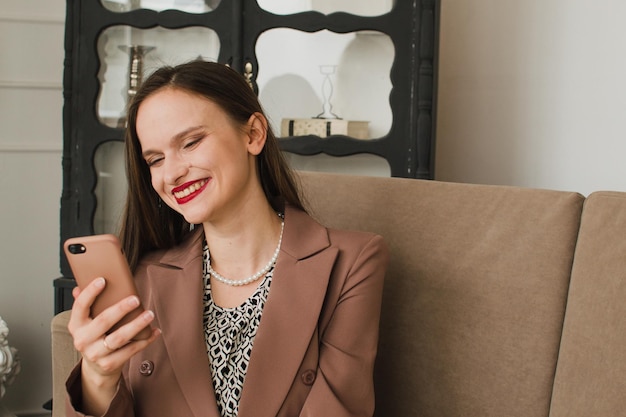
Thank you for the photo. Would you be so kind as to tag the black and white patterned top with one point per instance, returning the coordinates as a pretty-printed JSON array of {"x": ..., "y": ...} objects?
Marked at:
[{"x": 229, "y": 334}]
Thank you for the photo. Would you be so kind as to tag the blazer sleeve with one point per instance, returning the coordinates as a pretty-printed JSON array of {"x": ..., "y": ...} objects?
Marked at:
[
  {"x": 121, "y": 405},
  {"x": 344, "y": 385}
]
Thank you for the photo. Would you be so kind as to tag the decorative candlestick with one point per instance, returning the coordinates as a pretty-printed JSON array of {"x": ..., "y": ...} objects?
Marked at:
[
  {"x": 135, "y": 66},
  {"x": 327, "y": 93}
]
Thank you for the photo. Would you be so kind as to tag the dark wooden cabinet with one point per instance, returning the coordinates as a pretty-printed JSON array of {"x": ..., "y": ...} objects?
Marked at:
[{"x": 407, "y": 146}]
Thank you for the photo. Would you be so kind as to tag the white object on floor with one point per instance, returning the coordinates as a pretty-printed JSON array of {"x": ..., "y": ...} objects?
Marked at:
[{"x": 9, "y": 365}]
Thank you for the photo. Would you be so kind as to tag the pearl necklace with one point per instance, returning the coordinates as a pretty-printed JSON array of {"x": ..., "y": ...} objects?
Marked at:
[{"x": 254, "y": 277}]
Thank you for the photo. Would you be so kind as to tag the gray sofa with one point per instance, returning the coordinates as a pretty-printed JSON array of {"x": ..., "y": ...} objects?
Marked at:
[{"x": 499, "y": 301}]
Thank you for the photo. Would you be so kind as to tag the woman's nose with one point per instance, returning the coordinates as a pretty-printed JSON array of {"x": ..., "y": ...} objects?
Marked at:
[{"x": 175, "y": 170}]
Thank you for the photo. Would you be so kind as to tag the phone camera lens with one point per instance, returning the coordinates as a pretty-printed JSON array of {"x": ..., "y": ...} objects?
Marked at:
[{"x": 77, "y": 248}]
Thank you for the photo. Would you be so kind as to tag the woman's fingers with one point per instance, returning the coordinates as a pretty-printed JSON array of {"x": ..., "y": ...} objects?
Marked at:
[
  {"x": 107, "y": 353},
  {"x": 80, "y": 315},
  {"x": 129, "y": 348},
  {"x": 108, "y": 359},
  {"x": 87, "y": 330},
  {"x": 110, "y": 316},
  {"x": 126, "y": 333},
  {"x": 83, "y": 299}
]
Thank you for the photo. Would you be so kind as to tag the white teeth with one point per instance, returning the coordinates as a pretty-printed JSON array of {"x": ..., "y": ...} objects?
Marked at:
[{"x": 192, "y": 188}]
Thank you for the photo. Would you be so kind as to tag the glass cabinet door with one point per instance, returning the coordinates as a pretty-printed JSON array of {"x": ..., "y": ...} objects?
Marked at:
[
  {"x": 343, "y": 77},
  {"x": 127, "y": 54},
  {"x": 327, "y": 84}
]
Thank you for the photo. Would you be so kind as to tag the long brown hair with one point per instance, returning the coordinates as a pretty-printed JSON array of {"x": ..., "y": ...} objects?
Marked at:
[{"x": 148, "y": 223}]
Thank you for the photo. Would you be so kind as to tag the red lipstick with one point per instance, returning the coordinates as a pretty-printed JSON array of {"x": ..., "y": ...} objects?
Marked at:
[{"x": 194, "y": 188}]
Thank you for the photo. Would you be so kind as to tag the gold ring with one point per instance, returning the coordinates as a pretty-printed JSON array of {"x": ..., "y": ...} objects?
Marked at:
[{"x": 106, "y": 345}]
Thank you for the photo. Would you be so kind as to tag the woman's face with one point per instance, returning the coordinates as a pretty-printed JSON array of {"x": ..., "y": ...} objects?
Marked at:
[{"x": 202, "y": 164}]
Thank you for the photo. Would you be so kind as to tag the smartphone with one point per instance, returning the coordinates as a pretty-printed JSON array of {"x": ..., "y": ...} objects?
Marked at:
[{"x": 91, "y": 257}]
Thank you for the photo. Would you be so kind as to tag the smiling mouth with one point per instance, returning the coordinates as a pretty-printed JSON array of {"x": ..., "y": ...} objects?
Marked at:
[{"x": 187, "y": 192}]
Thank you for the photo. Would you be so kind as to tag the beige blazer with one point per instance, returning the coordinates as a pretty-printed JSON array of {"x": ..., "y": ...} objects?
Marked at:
[{"x": 314, "y": 351}]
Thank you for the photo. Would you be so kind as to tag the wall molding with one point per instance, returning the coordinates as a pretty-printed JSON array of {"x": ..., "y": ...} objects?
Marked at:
[
  {"x": 32, "y": 18},
  {"x": 30, "y": 148},
  {"x": 33, "y": 85}
]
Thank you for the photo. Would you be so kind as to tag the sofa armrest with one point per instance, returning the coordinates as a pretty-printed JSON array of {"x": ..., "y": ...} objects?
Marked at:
[{"x": 64, "y": 358}]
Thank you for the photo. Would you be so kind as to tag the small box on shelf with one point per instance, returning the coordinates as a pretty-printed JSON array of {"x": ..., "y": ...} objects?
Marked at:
[{"x": 324, "y": 128}]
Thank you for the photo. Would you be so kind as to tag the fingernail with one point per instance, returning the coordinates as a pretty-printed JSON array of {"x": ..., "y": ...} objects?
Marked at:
[
  {"x": 133, "y": 301},
  {"x": 99, "y": 282},
  {"x": 148, "y": 315}
]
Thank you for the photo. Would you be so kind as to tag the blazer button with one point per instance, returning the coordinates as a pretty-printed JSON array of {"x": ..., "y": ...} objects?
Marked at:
[
  {"x": 146, "y": 368},
  {"x": 308, "y": 377}
]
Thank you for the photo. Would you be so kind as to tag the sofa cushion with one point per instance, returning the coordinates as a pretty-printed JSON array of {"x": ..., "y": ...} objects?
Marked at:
[
  {"x": 590, "y": 378},
  {"x": 64, "y": 357},
  {"x": 475, "y": 294}
]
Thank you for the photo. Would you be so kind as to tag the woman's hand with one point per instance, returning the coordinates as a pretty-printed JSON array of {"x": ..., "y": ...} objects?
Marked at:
[{"x": 104, "y": 355}]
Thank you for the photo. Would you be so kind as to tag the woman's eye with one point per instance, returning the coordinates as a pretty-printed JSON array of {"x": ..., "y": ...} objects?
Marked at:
[
  {"x": 191, "y": 143},
  {"x": 153, "y": 161}
]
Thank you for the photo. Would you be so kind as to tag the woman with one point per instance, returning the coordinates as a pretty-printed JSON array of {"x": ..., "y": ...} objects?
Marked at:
[{"x": 257, "y": 310}]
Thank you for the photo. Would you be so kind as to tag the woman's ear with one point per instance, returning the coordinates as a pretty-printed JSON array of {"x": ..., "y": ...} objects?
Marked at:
[{"x": 257, "y": 133}]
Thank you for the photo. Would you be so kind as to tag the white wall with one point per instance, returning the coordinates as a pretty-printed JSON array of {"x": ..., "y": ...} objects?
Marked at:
[
  {"x": 533, "y": 93},
  {"x": 31, "y": 60}
]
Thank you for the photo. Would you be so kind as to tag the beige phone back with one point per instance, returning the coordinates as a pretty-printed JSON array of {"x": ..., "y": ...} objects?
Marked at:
[{"x": 91, "y": 257}]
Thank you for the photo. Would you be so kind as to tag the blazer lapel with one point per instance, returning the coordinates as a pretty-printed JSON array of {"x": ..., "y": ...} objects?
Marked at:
[
  {"x": 290, "y": 315},
  {"x": 178, "y": 288}
]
